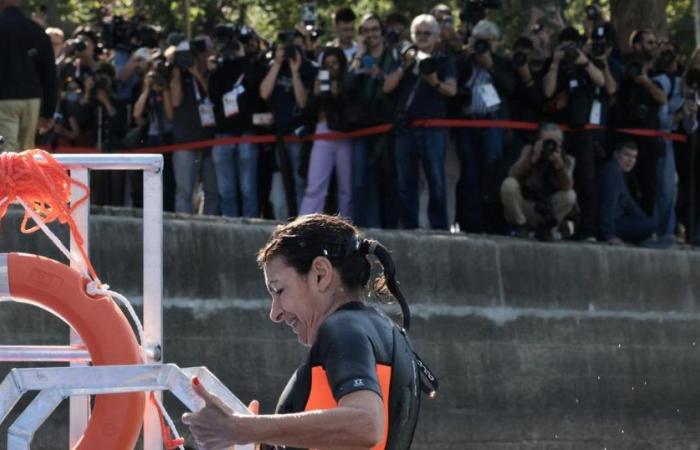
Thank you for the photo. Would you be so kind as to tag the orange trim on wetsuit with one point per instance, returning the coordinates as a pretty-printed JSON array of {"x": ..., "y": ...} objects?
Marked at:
[{"x": 321, "y": 397}]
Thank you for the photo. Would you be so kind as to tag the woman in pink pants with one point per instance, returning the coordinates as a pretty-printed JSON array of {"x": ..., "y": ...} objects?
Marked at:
[{"x": 327, "y": 155}]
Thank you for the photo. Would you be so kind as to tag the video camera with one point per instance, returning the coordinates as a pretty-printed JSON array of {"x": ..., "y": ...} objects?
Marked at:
[
  {"x": 475, "y": 10},
  {"x": 127, "y": 35}
]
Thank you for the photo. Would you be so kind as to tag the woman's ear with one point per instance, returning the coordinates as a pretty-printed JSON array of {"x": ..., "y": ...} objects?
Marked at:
[{"x": 322, "y": 273}]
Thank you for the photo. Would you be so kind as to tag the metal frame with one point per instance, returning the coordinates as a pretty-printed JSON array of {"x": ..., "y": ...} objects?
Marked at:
[
  {"x": 57, "y": 383},
  {"x": 152, "y": 167}
]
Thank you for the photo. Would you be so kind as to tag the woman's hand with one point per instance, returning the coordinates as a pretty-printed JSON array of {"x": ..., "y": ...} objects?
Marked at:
[{"x": 213, "y": 427}]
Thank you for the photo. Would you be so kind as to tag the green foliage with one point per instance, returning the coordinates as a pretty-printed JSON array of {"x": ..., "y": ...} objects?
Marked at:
[{"x": 268, "y": 16}]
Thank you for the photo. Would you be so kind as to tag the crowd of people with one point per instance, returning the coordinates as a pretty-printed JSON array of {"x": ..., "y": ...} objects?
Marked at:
[{"x": 573, "y": 174}]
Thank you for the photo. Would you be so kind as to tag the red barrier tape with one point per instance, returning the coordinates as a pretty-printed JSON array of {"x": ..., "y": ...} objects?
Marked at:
[{"x": 378, "y": 129}]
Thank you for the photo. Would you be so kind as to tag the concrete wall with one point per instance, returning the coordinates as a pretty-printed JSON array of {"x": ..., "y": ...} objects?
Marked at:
[{"x": 536, "y": 346}]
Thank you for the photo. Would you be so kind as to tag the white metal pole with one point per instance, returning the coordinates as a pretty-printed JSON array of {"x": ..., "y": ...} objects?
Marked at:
[
  {"x": 79, "y": 405},
  {"x": 153, "y": 290}
]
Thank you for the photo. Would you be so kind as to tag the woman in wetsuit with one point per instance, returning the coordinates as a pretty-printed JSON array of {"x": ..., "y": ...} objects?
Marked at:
[{"x": 360, "y": 386}]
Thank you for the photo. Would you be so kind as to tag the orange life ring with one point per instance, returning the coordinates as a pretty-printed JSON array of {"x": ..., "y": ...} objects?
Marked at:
[{"x": 115, "y": 420}]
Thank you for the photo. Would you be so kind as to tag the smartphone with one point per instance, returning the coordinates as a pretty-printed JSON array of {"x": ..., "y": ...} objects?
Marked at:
[{"x": 367, "y": 61}]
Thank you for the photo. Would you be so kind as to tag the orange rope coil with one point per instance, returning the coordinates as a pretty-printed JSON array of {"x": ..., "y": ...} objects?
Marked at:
[{"x": 43, "y": 184}]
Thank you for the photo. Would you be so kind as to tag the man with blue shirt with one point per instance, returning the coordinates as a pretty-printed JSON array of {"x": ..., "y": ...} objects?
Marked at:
[{"x": 425, "y": 79}]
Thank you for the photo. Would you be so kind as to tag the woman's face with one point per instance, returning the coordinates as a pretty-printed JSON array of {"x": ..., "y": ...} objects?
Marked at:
[
  {"x": 294, "y": 301},
  {"x": 332, "y": 65}
]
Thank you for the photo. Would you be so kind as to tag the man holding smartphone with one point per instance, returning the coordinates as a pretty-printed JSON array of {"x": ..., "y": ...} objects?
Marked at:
[{"x": 374, "y": 187}]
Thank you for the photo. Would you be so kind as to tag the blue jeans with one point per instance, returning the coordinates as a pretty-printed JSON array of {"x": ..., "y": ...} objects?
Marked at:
[
  {"x": 187, "y": 165},
  {"x": 365, "y": 192},
  {"x": 667, "y": 191},
  {"x": 429, "y": 146},
  {"x": 237, "y": 175},
  {"x": 479, "y": 150}
]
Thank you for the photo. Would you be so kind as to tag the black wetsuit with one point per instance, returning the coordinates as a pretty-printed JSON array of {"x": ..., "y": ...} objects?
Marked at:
[{"x": 360, "y": 348}]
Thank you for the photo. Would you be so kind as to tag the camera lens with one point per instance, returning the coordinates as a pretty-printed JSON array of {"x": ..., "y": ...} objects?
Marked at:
[
  {"x": 549, "y": 146},
  {"x": 519, "y": 59}
]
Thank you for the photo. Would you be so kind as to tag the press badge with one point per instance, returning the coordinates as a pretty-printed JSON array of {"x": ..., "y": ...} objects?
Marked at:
[
  {"x": 231, "y": 101},
  {"x": 596, "y": 109},
  {"x": 489, "y": 95},
  {"x": 206, "y": 113}
]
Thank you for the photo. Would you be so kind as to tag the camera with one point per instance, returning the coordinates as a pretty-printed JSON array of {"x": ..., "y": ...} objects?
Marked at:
[
  {"x": 182, "y": 58},
  {"x": 426, "y": 63},
  {"x": 308, "y": 15},
  {"x": 77, "y": 45},
  {"x": 519, "y": 59},
  {"x": 592, "y": 13},
  {"x": 549, "y": 147},
  {"x": 161, "y": 73},
  {"x": 571, "y": 54},
  {"x": 634, "y": 68},
  {"x": 482, "y": 46},
  {"x": 392, "y": 37},
  {"x": 692, "y": 77},
  {"x": 598, "y": 48},
  {"x": 324, "y": 78},
  {"x": 475, "y": 10},
  {"x": 286, "y": 38}
]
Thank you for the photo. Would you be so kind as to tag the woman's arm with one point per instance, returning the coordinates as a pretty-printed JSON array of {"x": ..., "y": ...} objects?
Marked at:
[{"x": 357, "y": 423}]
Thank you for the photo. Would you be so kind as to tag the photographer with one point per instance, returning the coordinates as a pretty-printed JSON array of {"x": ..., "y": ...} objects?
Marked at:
[
  {"x": 286, "y": 87},
  {"x": 153, "y": 113},
  {"x": 484, "y": 79},
  {"x": 193, "y": 120},
  {"x": 374, "y": 202},
  {"x": 110, "y": 127},
  {"x": 425, "y": 79},
  {"x": 525, "y": 102},
  {"x": 621, "y": 218},
  {"x": 599, "y": 50},
  {"x": 569, "y": 87},
  {"x": 327, "y": 105},
  {"x": 395, "y": 25},
  {"x": 539, "y": 193},
  {"x": 233, "y": 88},
  {"x": 639, "y": 101}
]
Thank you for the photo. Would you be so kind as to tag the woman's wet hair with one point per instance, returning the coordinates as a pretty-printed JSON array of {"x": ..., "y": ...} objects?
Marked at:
[{"x": 313, "y": 235}]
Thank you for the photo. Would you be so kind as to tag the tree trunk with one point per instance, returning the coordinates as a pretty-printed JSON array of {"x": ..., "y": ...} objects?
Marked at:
[{"x": 630, "y": 15}]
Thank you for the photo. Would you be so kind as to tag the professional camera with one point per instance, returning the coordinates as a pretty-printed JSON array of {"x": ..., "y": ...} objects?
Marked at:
[
  {"x": 475, "y": 10},
  {"x": 428, "y": 65},
  {"x": 286, "y": 38},
  {"x": 245, "y": 34},
  {"x": 183, "y": 58},
  {"x": 77, "y": 45},
  {"x": 634, "y": 68},
  {"x": 549, "y": 147},
  {"x": 482, "y": 46},
  {"x": 307, "y": 12},
  {"x": 392, "y": 37},
  {"x": 161, "y": 73},
  {"x": 571, "y": 54}
]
